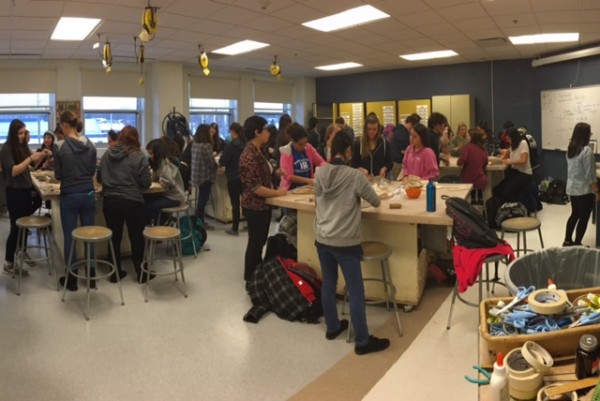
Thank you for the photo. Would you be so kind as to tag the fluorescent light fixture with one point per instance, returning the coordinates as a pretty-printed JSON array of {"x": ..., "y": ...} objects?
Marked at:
[
  {"x": 429, "y": 55},
  {"x": 346, "y": 19},
  {"x": 341, "y": 66},
  {"x": 74, "y": 28},
  {"x": 575, "y": 55},
  {"x": 544, "y": 38},
  {"x": 244, "y": 46}
]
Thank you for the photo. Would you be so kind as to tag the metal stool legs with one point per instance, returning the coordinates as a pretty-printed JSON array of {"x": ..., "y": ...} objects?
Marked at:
[{"x": 21, "y": 255}]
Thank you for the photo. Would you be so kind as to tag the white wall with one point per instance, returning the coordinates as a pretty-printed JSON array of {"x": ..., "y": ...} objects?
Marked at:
[{"x": 166, "y": 85}]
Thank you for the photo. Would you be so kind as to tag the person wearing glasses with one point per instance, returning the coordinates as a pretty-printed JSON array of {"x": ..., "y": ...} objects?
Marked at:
[
  {"x": 298, "y": 159},
  {"x": 16, "y": 159},
  {"x": 256, "y": 175}
]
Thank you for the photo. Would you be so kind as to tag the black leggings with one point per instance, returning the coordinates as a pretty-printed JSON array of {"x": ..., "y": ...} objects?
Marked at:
[
  {"x": 20, "y": 202},
  {"x": 259, "y": 222},
  {"x": 581, "y": 208},
  {"x": 234, "y": 188}
]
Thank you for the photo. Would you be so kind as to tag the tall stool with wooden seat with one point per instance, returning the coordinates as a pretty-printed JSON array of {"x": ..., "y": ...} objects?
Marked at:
[
  {"x": 90, "y": 236},
  {"x": 496, "y": 259},
  {"x": 172, "y": 236},
  {"x": 42, "y": 225},
  {"x": 378, "y": 252},
  {"x": 522, "y": 225},
  {"x": 182, "y": 211}
]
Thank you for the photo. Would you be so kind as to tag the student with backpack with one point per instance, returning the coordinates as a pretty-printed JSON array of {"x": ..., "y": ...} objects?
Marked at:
[
  {"x": 338, "y": 191},
  {"x": 582, "y": 185}
]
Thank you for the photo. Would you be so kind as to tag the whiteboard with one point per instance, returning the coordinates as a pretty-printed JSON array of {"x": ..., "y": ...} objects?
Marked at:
[{"x": 563, "y": 109}]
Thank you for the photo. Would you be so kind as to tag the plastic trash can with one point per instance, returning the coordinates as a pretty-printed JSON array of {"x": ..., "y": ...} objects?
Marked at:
[{"x": 570, "y": 268}]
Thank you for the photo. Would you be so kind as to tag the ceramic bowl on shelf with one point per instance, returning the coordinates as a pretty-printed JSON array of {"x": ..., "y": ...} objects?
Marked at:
[{"x": 413, "y": 192}]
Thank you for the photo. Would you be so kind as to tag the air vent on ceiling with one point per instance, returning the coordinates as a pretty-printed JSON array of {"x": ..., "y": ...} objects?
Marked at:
[{"x": 492, "y": 42}]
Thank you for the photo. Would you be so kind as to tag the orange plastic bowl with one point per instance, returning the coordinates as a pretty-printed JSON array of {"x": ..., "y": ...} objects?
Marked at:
[{"x": 413, "y": 192}]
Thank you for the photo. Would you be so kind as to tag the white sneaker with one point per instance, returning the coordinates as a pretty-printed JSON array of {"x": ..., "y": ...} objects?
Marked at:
[{"x": 9, "y": 268}]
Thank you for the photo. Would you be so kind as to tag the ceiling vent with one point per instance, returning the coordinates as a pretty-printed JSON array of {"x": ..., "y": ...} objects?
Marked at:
[{"x": 492, "y": 42}]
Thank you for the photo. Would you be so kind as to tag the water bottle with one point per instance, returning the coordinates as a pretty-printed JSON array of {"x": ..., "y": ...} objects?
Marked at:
[{"x": 431, "y": 196}]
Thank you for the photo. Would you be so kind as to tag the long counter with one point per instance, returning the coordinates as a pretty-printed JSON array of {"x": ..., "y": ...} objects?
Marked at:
[
  {"x": 399, "y": 228},
  {"x": 494, "y": 170},
  {"x": 49, "y": 189}
]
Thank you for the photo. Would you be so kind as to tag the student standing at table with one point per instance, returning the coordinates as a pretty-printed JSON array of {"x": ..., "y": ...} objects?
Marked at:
[
  {"x": 582, "y": 184},
  {"x": 16, "y": 157},
  {"x": 256, "y": 173},
  {"x": 230, "y": 159},
  {"x": 419, "y": 158},
  {"x": 124, "y": 172},
  {"x": 338, "y": 191},
  {"x": 400, "y": 141},
  {"x": 48, "y": 162},
  {"x": 371, "y": 154},
  {"x": 474, "y": 160},
  {"x": 298, "y": 159},
  {"x": 74, "y": 167}
]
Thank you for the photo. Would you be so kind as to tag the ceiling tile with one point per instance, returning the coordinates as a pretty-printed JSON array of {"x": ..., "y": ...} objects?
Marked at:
[
  {"x": 507, "y": 7},
  {"x": 556, "y": 5}
]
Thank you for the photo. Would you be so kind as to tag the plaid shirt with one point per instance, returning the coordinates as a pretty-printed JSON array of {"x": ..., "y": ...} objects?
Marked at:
[
  {"x": 255, "y": 170},
  {"x": 204, "y": 167},
  {"x": 271, "y": 289}
]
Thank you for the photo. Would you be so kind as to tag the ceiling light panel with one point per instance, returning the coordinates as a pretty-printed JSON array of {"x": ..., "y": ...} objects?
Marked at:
[
  {"x": 346, "y": 19},
  {"x": 244, "y": 46},
  {"x": 544, "y": 38},
  {"x": 429, "y": 55},
  {"x": 340, "y": 66},
  {"x": 69, "y": 28}
]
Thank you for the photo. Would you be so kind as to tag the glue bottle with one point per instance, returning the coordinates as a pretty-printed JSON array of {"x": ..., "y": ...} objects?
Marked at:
[{"x": 499, "y": 381}]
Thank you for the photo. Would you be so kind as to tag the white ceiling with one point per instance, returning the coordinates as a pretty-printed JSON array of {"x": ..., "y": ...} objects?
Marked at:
[{"x": 415, "y": 26}]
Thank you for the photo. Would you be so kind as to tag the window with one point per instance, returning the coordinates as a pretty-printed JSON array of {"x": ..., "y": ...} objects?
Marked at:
[
  {"x": 208, "y": 111},
  {"x": 34, "y": 109},
  {"x": 101, "y": 114},
  {"x": 272, "y": 111}
]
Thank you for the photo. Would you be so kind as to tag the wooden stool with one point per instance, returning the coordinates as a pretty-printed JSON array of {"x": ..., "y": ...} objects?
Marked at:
[
  {"x": 496, "y": 259},
  {"x": 520, "y": 225},
  {"x": 378, "y": 252},
  {"x": 89, "y": 236},
  {"x": 176, "y": 212},
  {"x": 42, "y": 225},
  {"x": 172, "y": 236}
]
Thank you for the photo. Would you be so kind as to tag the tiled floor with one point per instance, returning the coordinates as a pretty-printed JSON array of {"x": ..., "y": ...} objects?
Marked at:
[{"x": 199, "y": 348}]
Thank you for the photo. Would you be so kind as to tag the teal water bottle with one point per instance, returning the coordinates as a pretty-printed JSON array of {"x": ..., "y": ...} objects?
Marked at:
[{"x": 430, "y": 196}]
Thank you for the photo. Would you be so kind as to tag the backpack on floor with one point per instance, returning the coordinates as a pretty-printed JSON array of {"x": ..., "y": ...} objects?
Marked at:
[
  {"x": 306, "y": 280},
  {"x": 469, "y": 229},
  {"x": 198, "y": 235},
  {"x": 510, "y": 210},
  {"x": 555, "y": 193}
]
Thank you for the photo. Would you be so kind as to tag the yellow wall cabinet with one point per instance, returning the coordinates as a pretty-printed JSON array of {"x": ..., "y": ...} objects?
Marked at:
[
  {"x": 385, "y": 111},
  {"x": 354, "y": 115},
  {"x": 420, "y": 106},
  {"x": 456, "y": 108}
]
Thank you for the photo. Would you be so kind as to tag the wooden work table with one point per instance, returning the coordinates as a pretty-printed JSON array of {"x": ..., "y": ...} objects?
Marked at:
[
  {"x": 494, "y": 170},
  {"x": 399, "y": 228},
  {"x": 49, "y": 189}
]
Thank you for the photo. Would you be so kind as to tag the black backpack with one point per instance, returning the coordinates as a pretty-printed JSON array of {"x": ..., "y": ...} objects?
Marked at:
[
  {"x": 469, "y": 229},
  {"x": 510, "y": 210},
  {"x": 555, "y": 193}
]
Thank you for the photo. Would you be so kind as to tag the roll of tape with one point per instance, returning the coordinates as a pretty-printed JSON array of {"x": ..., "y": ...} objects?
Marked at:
[
  {"x": 547, "y": 302},
  {"x": 541, "y": 395},
  {"x": 523, "y": 380},
  {"x": 537, "y": 356}
]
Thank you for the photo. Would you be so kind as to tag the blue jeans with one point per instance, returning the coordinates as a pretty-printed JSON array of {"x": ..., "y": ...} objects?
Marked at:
[
  {"x": 73, "y": 206},
  {"x": 348, "y": 259}
]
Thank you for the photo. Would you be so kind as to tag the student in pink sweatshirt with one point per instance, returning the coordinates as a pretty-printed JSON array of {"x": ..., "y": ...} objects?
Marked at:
[{"x": 298, "y": 159}]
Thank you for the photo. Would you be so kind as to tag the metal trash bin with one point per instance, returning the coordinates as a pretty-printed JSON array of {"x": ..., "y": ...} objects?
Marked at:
[{"x": 570, "y": 268}]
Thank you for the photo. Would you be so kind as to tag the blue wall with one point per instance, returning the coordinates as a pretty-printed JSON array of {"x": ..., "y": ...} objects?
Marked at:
[{"x": 503, "y": 90}]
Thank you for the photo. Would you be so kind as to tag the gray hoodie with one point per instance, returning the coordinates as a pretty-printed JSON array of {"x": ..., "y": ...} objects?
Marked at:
[
  {"x": 339, "y": 189},
  {"x": 124, "y": 175},
  {"x": 75, "y": 164}
]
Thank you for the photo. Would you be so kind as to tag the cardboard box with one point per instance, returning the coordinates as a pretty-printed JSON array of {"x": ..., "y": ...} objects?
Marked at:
[{"x": 558, "y": 343}]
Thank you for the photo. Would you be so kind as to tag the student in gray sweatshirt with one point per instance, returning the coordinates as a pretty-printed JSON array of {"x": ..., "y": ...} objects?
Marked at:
[
  {"x": 124, "y": 172},
  {"x": 339, "y": 189},
  {"x": 74, "y": 167}
]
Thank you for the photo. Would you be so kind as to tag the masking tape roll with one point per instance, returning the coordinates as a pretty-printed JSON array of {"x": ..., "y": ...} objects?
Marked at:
[
  {"x": 541, "y": 395},
  {"x": 537, "y": 356},
  {"x": 547, "y": 302},
  {"x": 523, "y": 380}
]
